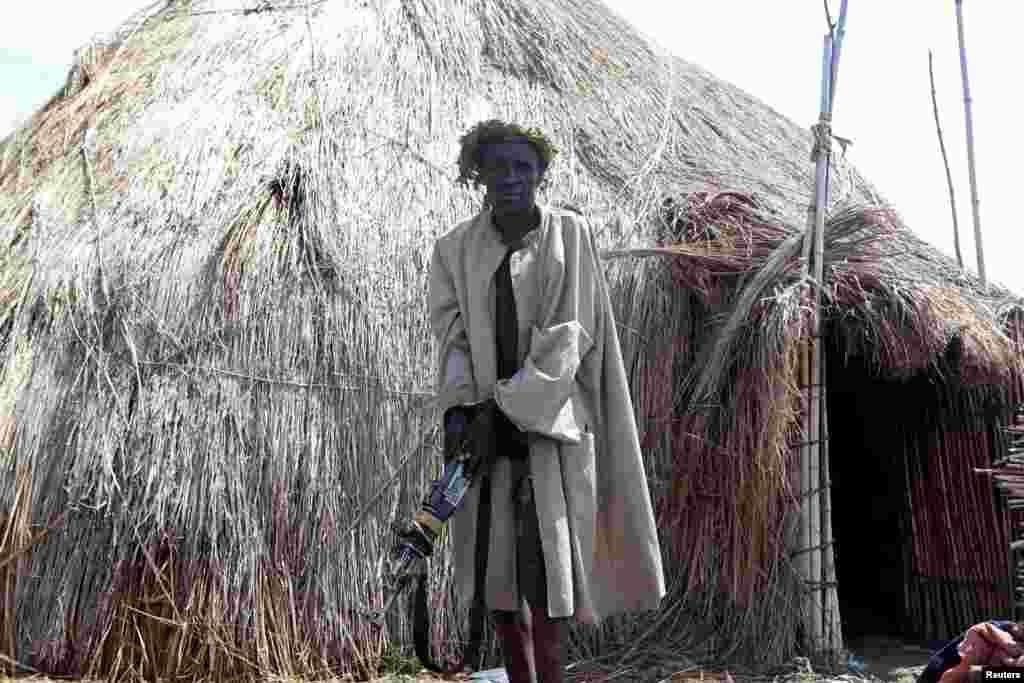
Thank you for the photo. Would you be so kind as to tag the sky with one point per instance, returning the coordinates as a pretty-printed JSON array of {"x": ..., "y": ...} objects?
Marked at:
[{"x": 883, "y": 97}]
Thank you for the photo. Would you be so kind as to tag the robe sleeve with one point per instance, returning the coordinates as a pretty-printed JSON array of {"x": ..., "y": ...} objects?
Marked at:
[
  {"x": 538, "y": 398},
  {"x": 456, "y": 384}
]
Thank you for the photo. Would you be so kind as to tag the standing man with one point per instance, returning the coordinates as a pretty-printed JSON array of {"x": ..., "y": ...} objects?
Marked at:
[{"x": 520, "y": 309}]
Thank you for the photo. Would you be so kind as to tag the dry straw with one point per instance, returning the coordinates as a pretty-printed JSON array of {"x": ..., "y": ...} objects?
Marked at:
[{"x": 218, "y": 377}]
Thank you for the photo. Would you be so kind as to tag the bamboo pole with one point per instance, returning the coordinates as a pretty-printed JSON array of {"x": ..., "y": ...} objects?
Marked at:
[
  {"x": 837, "y": 49},
  {"x": 830, "y": 596},
  {"x": 811, "y": 453},
  {"x": 809, "y": 560},
  {"x": 822, "y": 593},
  {"x": 818, "y": 435},
  {"x": 969, "y": 125},
  {"x": 945, "y": 162},
  {"x": 805, "y": 543}
]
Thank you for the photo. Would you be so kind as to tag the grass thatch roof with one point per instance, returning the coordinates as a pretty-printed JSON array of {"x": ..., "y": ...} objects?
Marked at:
[{"x": 218, "y": 367}]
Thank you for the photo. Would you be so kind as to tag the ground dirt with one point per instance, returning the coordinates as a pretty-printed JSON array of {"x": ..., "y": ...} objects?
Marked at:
[
  {"x": 890, "y": 659},
  {"x": 885, "y": 659}
]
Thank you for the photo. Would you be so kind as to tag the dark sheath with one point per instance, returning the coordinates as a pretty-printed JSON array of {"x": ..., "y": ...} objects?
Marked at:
[
  {"x": 506, "y": 328},
  {"x": 512, "y": 443}
]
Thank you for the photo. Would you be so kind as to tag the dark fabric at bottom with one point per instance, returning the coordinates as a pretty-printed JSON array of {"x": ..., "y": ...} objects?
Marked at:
[{"x": 532, "y": 577}]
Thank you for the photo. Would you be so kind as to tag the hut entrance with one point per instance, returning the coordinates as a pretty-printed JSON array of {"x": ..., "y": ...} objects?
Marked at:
[{"x": 870, "y": 515}]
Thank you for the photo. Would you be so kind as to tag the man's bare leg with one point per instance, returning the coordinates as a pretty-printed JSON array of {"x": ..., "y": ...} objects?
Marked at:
[
  {"x": 548, "y": 635},
  {"x": 516, "y": 645}
]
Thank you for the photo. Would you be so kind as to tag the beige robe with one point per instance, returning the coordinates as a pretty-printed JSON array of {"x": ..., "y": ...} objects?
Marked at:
[{"x": 571, "y": 396}]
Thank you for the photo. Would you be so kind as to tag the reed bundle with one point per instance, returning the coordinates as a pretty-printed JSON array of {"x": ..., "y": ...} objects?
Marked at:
[
  {"x": 1007, "y": 473},
  {"x": 218, "y": 379},
  {"x": 887, "y": 298}
]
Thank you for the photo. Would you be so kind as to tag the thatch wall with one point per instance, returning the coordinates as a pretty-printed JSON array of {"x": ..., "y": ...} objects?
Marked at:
[
  {"x": 942, "y": 369},
  {"x": 1007, "y": 472},
  {"x": 218, "y": 370},
  {"x": 921, "y": 537}
]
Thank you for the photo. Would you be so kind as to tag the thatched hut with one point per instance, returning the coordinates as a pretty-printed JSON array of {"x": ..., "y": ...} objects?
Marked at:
[{"x": 217, "y": 384}]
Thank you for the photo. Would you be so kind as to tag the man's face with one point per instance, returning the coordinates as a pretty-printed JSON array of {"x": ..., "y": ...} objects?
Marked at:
[{"x": 511, "y": 173}]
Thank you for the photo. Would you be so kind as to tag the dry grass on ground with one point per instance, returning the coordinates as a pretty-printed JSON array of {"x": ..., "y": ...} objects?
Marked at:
[{"x": 898, "y": 674}]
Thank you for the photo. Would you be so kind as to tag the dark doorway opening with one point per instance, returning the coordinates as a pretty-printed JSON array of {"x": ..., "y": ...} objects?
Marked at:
[{"x": 870, "y": 499}]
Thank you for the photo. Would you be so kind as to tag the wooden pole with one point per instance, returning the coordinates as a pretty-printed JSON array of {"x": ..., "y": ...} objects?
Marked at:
[
  {"x": 969, "y": 124},
  {"x": 837, "y": 50},
  {"x": 945, "y": 162},
  {"x": 816, "y": 423},
  {"x": 809, "y": 564},
  {"x": 830, "y": 594},
  {"x": 821, "y": 601}
]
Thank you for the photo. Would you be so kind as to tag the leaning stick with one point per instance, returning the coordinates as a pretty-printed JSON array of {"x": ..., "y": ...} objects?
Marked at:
[
  {"x": 945, "y": 162},
  {"x": 969, "y": 125}
]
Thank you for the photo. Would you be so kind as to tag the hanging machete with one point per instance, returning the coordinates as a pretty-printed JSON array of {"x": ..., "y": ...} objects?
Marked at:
[{"x": 407, "y": 563}]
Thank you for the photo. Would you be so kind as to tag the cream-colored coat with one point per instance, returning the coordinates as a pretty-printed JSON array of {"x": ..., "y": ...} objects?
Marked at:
[{"x": 571, "y": 395}]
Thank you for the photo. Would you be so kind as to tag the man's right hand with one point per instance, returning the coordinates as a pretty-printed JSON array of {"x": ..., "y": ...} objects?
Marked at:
[
  {"x": 469, "y": 432},
  {"x": 456, "y": 427}
]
